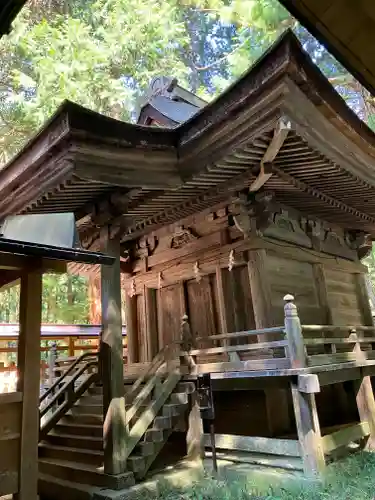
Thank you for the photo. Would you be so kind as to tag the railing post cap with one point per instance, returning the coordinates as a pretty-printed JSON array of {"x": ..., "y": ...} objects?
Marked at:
[{"x": 288, "y": 298}]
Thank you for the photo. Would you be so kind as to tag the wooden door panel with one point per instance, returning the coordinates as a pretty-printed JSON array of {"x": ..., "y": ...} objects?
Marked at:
[
  {"x": 170, "y": 304},
  {"x": 201, "y": 307}
]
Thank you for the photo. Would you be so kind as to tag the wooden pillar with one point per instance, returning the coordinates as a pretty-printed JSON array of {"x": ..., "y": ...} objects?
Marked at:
[
  {"x": 293, "y": 332},
  {"x": 151, "y": 323},
  {"x": 308, "y": 430},
  {"x": 366, "y": 406},
  {"x": 276, "y": 400},
  {"x": 364, "y": 301},
  {"x": 131, "y": 328},
  {"x": 115, "y": 430},
  {"x": 260, "y": 289},
  {"x": 28, "y": 382},
  {"x": 321, "y": 287},
  {"x": 194, "y": 435}
]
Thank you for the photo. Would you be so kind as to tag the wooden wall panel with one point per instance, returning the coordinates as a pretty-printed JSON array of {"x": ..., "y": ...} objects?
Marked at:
[
  {"x": 295, "y": 277},
  {"x": 10, "y": 428},
  {"x": 171, "y": 308},
  {"x": 201, "y": 307},
  {"x": 141, "y": 329},
  {"x": 343, "y": 298}
]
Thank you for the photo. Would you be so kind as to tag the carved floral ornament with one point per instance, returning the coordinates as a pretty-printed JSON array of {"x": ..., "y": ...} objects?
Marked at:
[
  {"x": 263, "y": 216},
  {"x": 182, "y": 236}
]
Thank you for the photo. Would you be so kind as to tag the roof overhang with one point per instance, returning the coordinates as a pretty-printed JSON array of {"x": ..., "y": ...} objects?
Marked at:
[
  {"x": 106, "y": 171},
  {"x": 346, "y": 28}
]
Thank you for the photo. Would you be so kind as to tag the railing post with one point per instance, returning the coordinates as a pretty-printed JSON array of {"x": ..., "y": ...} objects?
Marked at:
[
  {"x": 187, "y": 342},
  {"x": 52, "y": 355},
  {"x": 293, "y": 333}
]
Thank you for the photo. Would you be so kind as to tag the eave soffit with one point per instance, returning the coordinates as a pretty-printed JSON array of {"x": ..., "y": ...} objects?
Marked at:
[{"x": 283, "y": 82}]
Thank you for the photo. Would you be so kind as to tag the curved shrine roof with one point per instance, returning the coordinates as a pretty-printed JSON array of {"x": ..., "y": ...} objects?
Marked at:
[{"x": 139, "y": 177}]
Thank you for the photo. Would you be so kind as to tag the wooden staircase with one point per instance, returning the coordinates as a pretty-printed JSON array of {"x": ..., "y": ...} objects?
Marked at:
[{"x": 71, "y": 450}]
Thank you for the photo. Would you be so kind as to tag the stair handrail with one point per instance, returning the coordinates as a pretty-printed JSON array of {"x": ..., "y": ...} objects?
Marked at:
[
  {"x": 153, "y": 367},
  {"x": 61, "y": 379},
  {"x": 72, "y": 394}
]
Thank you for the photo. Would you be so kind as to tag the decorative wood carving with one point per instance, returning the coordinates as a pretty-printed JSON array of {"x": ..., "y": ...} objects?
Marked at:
[
  {"x": 182, "y": 236},
  {"x": 360, "y": 241},
  {"x": 133, "y": 290},
  {"x": 231, "y": 260},
  {"x": 197, "y": 272},
  {"x": 147, "y": 245},
  {"x": 261, "y": 215},
  {"x": 160, "y": 280}
]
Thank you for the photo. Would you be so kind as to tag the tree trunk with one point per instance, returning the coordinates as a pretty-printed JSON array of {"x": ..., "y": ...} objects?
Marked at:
[{"x": 95, "y": 311}]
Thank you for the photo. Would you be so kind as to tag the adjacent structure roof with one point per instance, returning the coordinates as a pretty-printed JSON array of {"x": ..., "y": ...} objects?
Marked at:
[
  {"x": 168, "y": 104},
  {"x": 137, "y": 177}
]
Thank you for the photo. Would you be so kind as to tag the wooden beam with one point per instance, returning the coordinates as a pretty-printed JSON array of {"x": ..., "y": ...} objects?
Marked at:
[
  {"x": 320, "y": 282},
  {"x": 222, "y": 305},
  {"x": 345, "y": 436},
  {"x": 283, "y": 447},
  {"x": 308, "y": 430},
  {"x": 28, "y": 381},
  {"x": 260, "y": 288},
  {"x": 364, "y": 301},
  {"x": 132, "y": 328},
  {"x": 194, "y": 435},
  {"x": 338, "y": 376},
  {"x": 366, "y": 406},
  {"x": 280, "y": 134},
  {"x": 308, "y": 383},
  {"x": 151, "y": 323},
  {"x": 115, "y": 431}
]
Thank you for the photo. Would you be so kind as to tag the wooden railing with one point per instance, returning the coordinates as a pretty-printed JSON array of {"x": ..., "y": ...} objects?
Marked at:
[
  {"x": 159, "y": 381},
  {"x": 298, "y": 346},
  {"x": 67, "y": 389},
  {"x": 63, "y": 340}
]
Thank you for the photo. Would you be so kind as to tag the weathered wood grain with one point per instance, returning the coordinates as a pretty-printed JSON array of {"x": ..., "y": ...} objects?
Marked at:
[
  {"x": 111, "y": 361},
  {"x": 270, "y": 446},
  {"x": 308, "y": 430},
  {"x": 345, "y": 436},
  {"x": 28, "y": 382}
]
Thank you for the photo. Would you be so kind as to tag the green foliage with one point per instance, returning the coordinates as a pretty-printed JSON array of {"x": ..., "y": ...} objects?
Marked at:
[
  {"x": 64, "y": 301},
  {"x": 352, "y": 478}
]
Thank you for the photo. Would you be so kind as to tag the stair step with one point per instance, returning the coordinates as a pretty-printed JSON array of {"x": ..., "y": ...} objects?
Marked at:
[
  {"x": 74, "y": 441},
  {"x": 85, "y": 408},
  {"x": 144, "y": 449},
  {"x": 173, "y": 410},
  {"x": 161, "y": 422},
  {"x": 59, "y": 489},
  {"x": 75, "y": 428},
  {"x": 136, "y": 464},
  {"x": 87, "y": 398},
  {"x": 84, "y": 474},
  {"x": 82, "y": 418},
  {"x": 186, "y": 387},
  {"x": 80, "y": 455},
  {"x": 180, "y": 398},
  {"x": 154, "y": 435}
]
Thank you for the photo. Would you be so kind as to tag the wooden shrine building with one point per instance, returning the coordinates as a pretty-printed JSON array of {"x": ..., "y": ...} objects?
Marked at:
[{"x": 231, "y": 230}]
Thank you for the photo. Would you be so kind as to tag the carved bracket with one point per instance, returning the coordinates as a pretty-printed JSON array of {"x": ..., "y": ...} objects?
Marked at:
[
  {"x": 261, "y": 215},
  {"x": 182, "y": 236}
]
